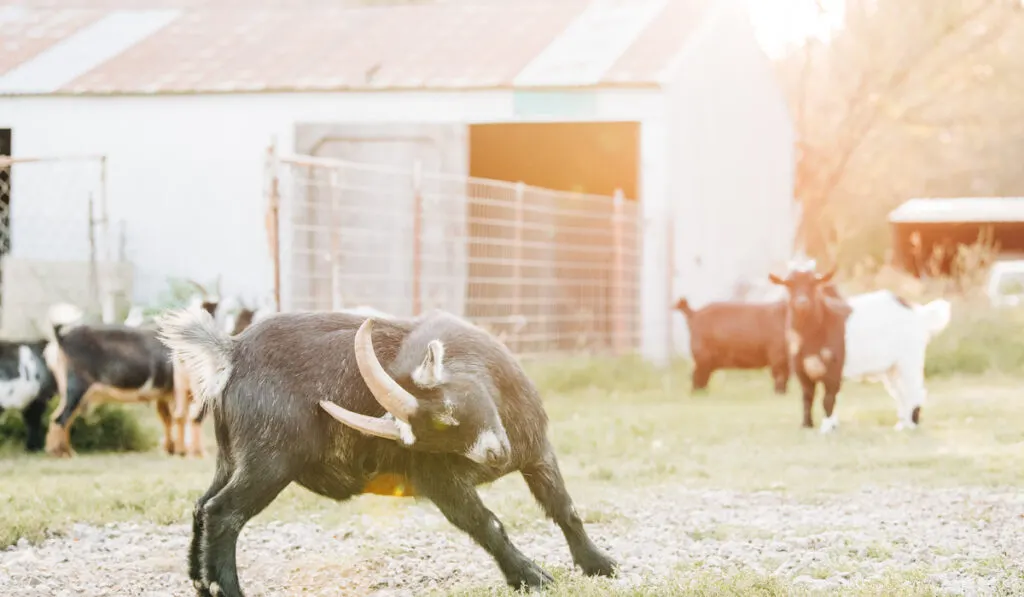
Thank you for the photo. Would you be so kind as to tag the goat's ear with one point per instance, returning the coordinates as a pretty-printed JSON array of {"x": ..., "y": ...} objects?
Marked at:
[
  {"x": 839, "y": 307},
  {"x": 825, "y": 278},
  {"x": 430, "y": 373},
  {"x": 776, "y": 280}
]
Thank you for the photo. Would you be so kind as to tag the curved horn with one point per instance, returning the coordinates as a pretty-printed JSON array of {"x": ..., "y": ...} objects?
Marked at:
[
  {"x": 377, "y": 426},
  {"x": 199, "y": 286},
  {"x": 388, "y": 393}
]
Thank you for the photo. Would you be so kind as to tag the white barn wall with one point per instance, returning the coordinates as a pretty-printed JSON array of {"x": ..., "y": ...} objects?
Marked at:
[
  {"x": 731, "y": 154},
  {"x": 186, "y": 173}
]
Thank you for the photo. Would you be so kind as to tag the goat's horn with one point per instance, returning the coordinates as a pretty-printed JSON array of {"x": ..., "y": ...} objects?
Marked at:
[
  {"x": 199, "y": 286},
  {"x": 388, "y": 393},
  {"x": 378, "y": 426}
]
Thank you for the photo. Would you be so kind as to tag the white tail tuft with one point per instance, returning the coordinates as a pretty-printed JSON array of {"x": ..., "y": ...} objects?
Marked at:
[
  {"x": 200, "y": 347},
  {"x": 936, "y": 314},
  {"x": 64, "y": 314}
]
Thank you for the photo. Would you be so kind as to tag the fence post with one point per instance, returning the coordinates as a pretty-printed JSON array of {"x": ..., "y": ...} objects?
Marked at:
[
  {"x": 618, "y": 274},
  {"x": 94, "y": 278},
  {"x": 335, "y": 250},
  {"x": 517, "y": 264},
  {"x": 273, "y": 221},
  {"x": 104, "y": 214},
  {"x": 417, "y": 233}
]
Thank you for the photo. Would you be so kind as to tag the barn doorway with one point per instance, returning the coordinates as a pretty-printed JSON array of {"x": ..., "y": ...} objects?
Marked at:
[
  {"x": 542, "y": 260},
  {"x": 583, "y": 157}
]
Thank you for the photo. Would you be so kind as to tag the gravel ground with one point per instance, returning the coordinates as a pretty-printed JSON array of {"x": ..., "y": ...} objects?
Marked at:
[{"x": 965, "y": 541}]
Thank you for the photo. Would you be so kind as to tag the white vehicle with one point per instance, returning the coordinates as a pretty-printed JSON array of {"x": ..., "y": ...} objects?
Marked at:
[{"x": 1005, "y": 286}]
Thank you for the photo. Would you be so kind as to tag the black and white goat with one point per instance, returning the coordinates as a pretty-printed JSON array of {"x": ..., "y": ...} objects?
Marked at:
[
  {"x": 97, "y": 363},
  {"x": 26, "y": 384},
  {"x": 345, "y": 405},
  {"x": 871, "y": 336}
]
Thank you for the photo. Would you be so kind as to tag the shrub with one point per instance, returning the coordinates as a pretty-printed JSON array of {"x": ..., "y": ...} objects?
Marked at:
[{"x": 105, "y": 428}]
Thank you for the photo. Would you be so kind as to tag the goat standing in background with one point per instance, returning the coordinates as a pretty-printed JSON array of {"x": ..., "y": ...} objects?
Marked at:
[
  {"x": 736, "y": 335},
  {"x": 816, "y": 337}
]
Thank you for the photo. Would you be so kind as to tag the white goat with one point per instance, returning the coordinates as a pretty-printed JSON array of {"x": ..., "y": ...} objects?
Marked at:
[{"x": 886, "y": 339}]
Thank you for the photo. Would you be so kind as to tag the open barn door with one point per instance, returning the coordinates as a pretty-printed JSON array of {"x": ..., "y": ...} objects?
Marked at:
[{"x": 391, "y": 217}]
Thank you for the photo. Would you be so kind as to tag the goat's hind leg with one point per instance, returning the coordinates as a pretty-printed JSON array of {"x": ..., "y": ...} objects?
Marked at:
[
  {"x": 247, "y": 492},
  {"x": 461, "y": 505},
  {"x": 547, "y": 486},
  {"x": 195, "y": 564},
  {"x": 33, "y": 417}
]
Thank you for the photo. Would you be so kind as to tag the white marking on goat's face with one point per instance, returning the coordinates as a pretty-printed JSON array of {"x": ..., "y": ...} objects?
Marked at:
[
  {"x": 814, "y": 367},
  {"x": 489, "y": 448},
  {"x": 829, "y": 424},
  {"x": 17, "y": 392},
  {"x": 793, "y": 340}
]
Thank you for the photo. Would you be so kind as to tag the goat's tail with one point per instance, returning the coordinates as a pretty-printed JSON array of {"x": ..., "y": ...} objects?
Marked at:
[
  {"x": 936, "y": 315},
  {"x": 203, "y": 349},
  {"x": 60, "y": 316},
  {"x": 684, "y": 307}
]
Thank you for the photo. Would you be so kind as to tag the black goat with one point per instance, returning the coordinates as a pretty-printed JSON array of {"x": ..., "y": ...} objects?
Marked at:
[
  {"x": 736, "y": 335},
  {"x": 816, "y": 336},
  {"x": 26, "y": 384},
  {"x": 451, "y": 409}
]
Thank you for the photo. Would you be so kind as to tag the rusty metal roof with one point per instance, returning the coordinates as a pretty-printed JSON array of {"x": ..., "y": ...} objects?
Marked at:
[{"x": 217, "y": 46}]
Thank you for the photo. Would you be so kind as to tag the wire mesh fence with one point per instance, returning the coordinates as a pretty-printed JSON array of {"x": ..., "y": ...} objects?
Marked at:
[
  {"x": 54, "y": 238},
  {"x": 546, "y": 271}
]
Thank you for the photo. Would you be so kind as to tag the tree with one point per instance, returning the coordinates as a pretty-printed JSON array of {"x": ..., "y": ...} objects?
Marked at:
[{"x": 896, "y": 104}]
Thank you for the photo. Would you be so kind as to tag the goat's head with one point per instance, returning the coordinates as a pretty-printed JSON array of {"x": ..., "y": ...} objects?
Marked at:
[
  {"x": 431, "y": 406},
  {"x": 805, "y": 288},
  {"x": 207, "y": 301}
]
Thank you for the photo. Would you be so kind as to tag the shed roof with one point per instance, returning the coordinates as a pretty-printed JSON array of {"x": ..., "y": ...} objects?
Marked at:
[
  {"x": 216, "y": 46},
  {"x": 961, "y": 209}
]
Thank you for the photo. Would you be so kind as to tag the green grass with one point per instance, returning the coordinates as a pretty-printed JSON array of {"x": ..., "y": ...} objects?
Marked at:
[{"x": 614, "y": 424}]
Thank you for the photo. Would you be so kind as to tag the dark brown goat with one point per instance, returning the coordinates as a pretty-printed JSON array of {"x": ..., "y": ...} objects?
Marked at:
[
  {"x": 816, "y": 336},
  {"x": 344, "y": 405},
  {"x": 736, "y": 335}
]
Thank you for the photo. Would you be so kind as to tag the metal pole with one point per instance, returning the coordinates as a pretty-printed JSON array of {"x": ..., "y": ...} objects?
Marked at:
[{"x": 417, "y": 232}]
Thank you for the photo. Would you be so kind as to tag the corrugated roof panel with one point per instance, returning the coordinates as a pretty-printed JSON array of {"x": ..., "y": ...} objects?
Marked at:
[
  {"x": 219, "y": 46},
  {"x": 591, "y": 44},
  {"x": 25, "y": 33},
  {"x": 89, "y": 46},
  {"x": 656, "y": 47}
]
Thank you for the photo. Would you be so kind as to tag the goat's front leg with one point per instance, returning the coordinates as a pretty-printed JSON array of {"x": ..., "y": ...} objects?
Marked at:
[
  {"x": 461, "y": 505},
  {"x": 831, "y": 420},
  {"x": 545, "y": 482},
  {"x": 808, "y": 395},
  {"x": 182, "y": 400},
  {"x": 164, "y": 410}
]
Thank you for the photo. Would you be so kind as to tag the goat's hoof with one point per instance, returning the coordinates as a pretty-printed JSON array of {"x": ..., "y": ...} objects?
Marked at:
[
  {"x": 530, "y": 576},
  {"x": 904, "y": 426},
  {"x": 829, "y": 425},
  {"x": 598, "y": 564},
  {"x": 201, "y": 589}
]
